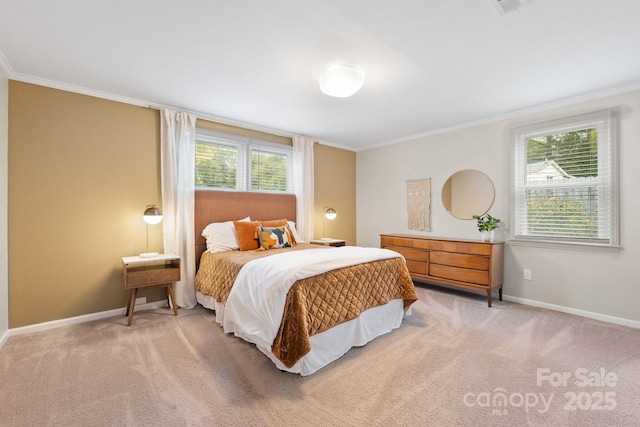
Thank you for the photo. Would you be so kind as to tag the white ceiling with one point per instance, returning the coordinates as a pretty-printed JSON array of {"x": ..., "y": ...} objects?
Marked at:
[{"x": 431, "y": 65}]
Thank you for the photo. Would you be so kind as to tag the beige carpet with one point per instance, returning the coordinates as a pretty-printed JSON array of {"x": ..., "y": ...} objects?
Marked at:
[{"x": 453, "y": 362}]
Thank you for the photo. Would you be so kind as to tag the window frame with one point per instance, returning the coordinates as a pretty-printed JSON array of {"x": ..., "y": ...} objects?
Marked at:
[
  {"x": 607, "y": 161},
  {"x": 245, "y": 147}
]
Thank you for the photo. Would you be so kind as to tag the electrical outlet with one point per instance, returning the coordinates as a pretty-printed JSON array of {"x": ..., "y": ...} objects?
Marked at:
[
  {"x": 141, "y": 300},
  {"x": 526, "y": 274}
]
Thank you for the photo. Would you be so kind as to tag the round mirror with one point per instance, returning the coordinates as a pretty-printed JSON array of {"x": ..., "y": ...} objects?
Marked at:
[{"x": 467, "y": 193}]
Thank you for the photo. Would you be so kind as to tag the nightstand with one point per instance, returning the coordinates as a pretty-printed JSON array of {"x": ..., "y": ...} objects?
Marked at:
[
  {"x": 329, "y": 242},
  {"x": 140, "y": 272}
]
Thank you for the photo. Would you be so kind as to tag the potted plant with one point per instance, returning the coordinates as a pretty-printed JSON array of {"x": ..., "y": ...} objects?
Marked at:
[{"x": 487, "y": 225}]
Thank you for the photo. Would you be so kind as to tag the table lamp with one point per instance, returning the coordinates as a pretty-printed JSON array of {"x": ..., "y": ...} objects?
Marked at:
[{"x": 152, "y": 215}]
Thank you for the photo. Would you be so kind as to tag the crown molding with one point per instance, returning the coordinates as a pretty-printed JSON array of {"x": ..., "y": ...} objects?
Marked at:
[
  {"x": 516, "y": 114},
  {"x": 78, "y": 89}
]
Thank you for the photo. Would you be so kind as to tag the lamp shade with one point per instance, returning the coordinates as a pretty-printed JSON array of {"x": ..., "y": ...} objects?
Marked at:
[
  {"x": 152, "y": 215},
  {"x": 330, "y": 213},
  {"x": 341, "y": 81}
]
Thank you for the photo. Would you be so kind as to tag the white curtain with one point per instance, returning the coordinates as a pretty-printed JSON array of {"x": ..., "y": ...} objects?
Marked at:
[
  {"x": 303, "y": 185},
  {"x": 177, "y": 153}
]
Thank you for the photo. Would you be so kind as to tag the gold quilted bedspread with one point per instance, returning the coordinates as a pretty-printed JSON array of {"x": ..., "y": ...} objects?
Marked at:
[{"x": 317, "y": 303}]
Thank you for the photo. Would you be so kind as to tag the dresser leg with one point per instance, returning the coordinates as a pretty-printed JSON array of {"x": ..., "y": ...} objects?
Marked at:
[
  {"x": 489, "y": 297},
  {"x": 500, "y": 293}
]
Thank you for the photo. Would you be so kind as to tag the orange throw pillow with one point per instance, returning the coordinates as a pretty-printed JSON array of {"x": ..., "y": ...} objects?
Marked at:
[
  {"x": 273, "y": 223},
  {"x": 246, "y": 231}
]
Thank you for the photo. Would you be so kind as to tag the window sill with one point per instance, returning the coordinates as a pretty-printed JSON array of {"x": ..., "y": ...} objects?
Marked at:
[{"x": 550, "y": 244}]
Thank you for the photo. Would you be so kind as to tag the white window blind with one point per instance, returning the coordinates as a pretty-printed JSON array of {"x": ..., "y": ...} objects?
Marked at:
[
  {"x": 565, "y": 181},
  {"x": 235, "y": 163},
  {"x": 269, "y": 169},
  {"x": 219, "y": 164}
]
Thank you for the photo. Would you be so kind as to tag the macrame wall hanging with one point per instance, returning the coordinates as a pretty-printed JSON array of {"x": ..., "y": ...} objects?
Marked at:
[{"x": 418, "y": 202}]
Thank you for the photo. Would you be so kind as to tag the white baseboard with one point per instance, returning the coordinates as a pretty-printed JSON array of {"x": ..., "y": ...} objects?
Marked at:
[
  {"x": 569, "y": 310},
  {"x": 81, "y": 319},
  {"x": 3, "y": 338}
]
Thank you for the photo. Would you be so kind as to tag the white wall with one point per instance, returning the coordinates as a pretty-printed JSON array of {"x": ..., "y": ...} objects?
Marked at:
[
  {"x": 4, "y": 276},
  {"x": 598, "y": 284}
]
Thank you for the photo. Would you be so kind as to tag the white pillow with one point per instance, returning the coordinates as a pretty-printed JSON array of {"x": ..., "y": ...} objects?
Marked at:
[
  {"x": 221, "y": 236},
  {"x": 292, "y": 226}
]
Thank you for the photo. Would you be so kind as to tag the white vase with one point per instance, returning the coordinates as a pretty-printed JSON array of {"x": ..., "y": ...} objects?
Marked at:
[{"x": 487, "y": 235}]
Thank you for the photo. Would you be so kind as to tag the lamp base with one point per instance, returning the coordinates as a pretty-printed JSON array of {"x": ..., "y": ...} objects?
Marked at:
[{"x": 149, "y": 254}]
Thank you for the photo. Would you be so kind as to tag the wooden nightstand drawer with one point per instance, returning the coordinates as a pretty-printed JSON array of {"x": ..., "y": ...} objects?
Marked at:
[{"x": 141, "y": 277}]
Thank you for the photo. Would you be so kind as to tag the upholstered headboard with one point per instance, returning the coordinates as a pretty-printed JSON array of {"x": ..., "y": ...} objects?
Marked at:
[{"x": 220, "y": 206}]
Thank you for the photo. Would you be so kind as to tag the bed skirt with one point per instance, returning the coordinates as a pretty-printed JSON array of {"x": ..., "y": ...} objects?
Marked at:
[{"x": 333, "y": 343}]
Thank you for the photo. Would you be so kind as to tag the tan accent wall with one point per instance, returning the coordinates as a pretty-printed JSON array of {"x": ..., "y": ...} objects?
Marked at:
[
  {"x": 81, "y": 172},
  {"x": 4, "y": 189},
  {"x": 335, "y": 186}
]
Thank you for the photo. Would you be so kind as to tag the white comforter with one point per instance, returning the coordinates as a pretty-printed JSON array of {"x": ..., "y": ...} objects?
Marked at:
[{"x": 256, "y": 302}]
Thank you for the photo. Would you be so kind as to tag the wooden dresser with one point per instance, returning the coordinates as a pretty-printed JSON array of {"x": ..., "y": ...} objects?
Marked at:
[{"x": 461, "y": 263}]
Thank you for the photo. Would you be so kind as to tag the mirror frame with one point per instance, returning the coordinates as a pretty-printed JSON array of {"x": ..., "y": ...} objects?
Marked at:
[{"x": 483, "y": 205}]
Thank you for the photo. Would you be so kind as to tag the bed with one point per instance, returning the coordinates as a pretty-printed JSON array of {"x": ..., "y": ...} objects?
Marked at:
[{"x": 302, "y": 305}]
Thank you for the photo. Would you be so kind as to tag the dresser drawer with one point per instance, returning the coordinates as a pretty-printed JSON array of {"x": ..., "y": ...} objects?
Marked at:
[
  {"x": 461, "y": 247},
  {"x": 476, "y": 262},
  {"x": 410, "y": 253},
  {"x": 417, "y": 267},
  {"x": 403, "y": 241},
  {"x": 468, "y": 275}
]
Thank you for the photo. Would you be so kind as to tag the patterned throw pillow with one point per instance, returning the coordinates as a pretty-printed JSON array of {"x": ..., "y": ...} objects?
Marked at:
[
  {"x": 274, "y": 237},
  {"x": 247, "y": 232}
]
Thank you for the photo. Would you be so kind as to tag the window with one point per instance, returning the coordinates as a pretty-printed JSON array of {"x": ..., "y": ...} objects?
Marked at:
[
  {"x": 565, "y": 181},
  {"x": 228, "y": 162}
]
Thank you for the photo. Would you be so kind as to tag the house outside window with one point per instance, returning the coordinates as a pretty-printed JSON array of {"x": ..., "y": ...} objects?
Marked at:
[
  {"x": 564, "y": 185},
  {"x": 227, "y": 162}
]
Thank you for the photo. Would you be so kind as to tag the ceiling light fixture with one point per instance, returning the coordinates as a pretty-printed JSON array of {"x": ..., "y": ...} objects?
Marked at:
[{"x": 341, "y": 81}]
